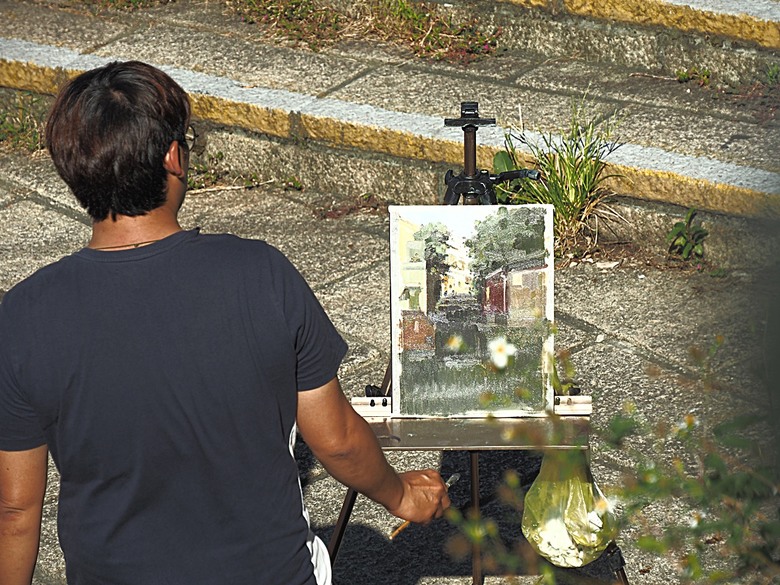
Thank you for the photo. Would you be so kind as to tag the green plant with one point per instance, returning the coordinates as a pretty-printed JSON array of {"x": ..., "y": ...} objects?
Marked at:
[
  {"x": 773, "y": 74},
  {"x": 728, "y": 483},
  {"x": 701, "y": 75},
  {"x": 292, "y": 183},
  {"x": 208, "y": 173},
  {"x": 686, "y": 239},
  {"x": 22, "y": 121},
  {"x": 204, "y": 174},
  {"x": 574, "y": 169}
]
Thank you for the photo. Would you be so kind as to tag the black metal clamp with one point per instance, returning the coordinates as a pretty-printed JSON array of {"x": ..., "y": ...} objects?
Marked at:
[{"x": 477, "y": 187}]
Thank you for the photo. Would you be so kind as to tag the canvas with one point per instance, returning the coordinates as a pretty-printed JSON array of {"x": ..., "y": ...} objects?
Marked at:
[{"x": 472, "y": 308}]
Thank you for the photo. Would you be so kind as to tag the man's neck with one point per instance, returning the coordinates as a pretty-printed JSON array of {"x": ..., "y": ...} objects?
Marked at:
[{"x": 127, "y": 232}]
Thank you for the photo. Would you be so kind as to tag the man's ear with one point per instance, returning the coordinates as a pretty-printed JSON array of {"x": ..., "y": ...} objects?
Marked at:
[{"x": 173, "y": 160}]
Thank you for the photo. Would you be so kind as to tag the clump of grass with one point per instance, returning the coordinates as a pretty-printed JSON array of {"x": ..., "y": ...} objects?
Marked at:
[
  {"x": 573, "y": 169},
  {"x": 126, "y": 4},
  {"x": 22, "y": 121},
  {"x": 700, "y": 75},
  {"x": 422, "y": 27},
  {"x": 773, "y": 74},
  {"x": 300, "y": 21}
]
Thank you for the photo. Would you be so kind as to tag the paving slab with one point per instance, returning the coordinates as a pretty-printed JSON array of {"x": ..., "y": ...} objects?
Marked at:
[
  {"x": 29, "y": 231},
  {"x": 314, "y": 244},
  {"x": 248, "y": 62},
  {"x": 45, "y": 23},
  {"x": 619, "y": 327},
  {"x": 357, "y": 119},
  {"x": 359, "y": 306},
  {"x": 37, "y": 177},
  {"x": 668, "y": 316},
  {"x": 753, "y": 20}
]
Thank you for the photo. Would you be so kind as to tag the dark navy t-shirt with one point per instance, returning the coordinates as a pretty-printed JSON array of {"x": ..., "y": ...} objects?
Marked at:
[{"x": 164, "y": 381}]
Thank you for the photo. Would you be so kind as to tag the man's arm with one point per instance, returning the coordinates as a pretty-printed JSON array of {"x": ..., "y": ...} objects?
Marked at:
[
  {"x": 22, "y": 487},
  {"x": 344, "y": 443}
]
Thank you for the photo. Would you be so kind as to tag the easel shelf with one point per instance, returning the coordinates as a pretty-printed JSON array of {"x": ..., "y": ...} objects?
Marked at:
[{"x": 482, "y": 434}]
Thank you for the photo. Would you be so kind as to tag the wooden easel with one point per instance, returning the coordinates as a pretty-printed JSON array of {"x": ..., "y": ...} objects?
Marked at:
[
  {"x": 465, "y": 434},
  {"x": 474, "y": 436}
]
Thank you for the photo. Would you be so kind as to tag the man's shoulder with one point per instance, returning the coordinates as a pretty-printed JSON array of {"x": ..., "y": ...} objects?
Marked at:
[
  {"x": 38, "y": 283},
  {"x": 226, "y": 240},
  {"x": 239, "y": 248}
]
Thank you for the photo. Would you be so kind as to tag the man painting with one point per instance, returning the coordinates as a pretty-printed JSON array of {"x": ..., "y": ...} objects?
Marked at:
[{"x": 166, "y": 371}]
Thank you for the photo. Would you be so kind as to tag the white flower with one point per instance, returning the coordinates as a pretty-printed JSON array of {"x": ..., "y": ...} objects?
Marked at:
[
  {"x": 606, "y": 505},
  {"x": 695, "y": 519},
  {"x": 688, "y": 423},
  {"x": 500, "y": 351},
  {"x": 454, "y": 343}
]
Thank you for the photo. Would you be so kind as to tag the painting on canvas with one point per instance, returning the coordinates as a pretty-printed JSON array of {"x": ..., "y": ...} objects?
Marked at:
[{"x": 472, "y": 308}]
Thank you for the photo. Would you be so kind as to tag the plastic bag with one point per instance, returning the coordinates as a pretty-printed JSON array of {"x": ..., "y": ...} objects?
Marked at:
[{"x": 566, "y": 518}]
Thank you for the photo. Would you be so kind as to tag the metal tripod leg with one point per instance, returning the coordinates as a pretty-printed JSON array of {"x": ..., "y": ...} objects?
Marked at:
[
  {"x": 621, "y": 577},
  {"x": 349, "y": 500},
  {"x": 341, "y": 524},
  {"x": 614, "y": 557}
]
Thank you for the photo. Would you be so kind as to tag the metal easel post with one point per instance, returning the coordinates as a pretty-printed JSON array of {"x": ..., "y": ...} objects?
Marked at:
[
  {"x": 341, "y": 524},
  {"x": 476, "y": 552}
]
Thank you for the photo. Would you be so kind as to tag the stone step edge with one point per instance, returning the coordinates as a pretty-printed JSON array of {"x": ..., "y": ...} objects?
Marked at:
[
  {"x": 762, "y": 28},
  {"x": 681, "y": 180}
]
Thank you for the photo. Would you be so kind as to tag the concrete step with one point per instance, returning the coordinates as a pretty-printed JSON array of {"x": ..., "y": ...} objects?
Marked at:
[
  {"x": 363, "y": 117},
  {"x": 737, "y": 41}
]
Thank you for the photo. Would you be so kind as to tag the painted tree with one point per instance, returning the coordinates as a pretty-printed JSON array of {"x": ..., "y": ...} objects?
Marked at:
[
  {"x": 504, "y": 238},
  {"x": 435, "y": 236}
]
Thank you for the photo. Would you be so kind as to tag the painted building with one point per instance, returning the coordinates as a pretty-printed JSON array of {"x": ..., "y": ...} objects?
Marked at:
[
  {"x": 458, "y": 279},
  {"x": 517, "y": 292},
  {"x": 414, "y": 293}
]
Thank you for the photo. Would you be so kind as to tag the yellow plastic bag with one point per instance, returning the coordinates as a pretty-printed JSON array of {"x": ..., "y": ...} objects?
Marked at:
[{"x": 566, "y": 518}]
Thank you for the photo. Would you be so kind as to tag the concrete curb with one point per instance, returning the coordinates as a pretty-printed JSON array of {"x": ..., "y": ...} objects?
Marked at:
[
  {"x": 645, "y": 172},
  {"x": 748, "y": 20}
]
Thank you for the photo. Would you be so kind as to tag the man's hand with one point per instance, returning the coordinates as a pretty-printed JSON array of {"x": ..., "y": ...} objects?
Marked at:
[
  {"x": 345, "y": 444},
  {"x": 22, "y": 486},
  {"x": 424, "y": 498}
]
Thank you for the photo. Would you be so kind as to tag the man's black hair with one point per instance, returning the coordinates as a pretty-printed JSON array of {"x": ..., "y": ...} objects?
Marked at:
[{"x": 108, "y": 132}]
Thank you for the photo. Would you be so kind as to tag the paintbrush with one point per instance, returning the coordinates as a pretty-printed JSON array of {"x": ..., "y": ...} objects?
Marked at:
[{"x": 453, "y": 478}]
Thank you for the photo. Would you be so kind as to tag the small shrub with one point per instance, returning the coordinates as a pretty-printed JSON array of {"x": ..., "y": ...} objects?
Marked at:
[
  {"x": 574, "y": 169},
  {"x": 685, "y": 239}
]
